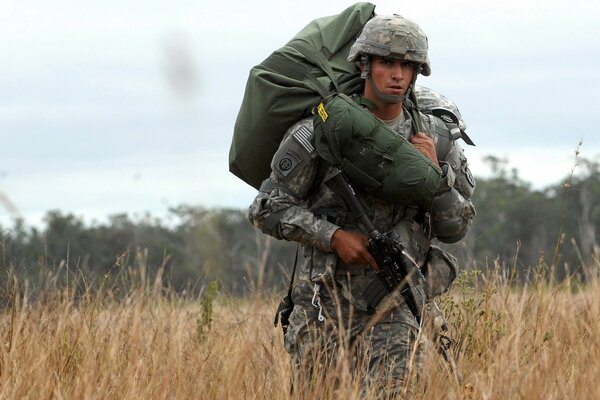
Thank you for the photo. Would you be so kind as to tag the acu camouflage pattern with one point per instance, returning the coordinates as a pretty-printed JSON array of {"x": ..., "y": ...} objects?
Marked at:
[
  {"x": 392, "y": 36},
  {"x": 382, "y": 354},
  {"x": 452, "y": 210},
  {"x": 297, "y": 206},
  {"x": 448, "y": 216},
  {"x": 428, "y": 99}
]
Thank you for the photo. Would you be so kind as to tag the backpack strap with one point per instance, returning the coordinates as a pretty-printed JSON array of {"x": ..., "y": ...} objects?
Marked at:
[
  {"x": 287, "y": 304},
  {"x": 317, "y": 58},
  {"x": 281, "y": 64},
  {"x": 412, "y": 106}
]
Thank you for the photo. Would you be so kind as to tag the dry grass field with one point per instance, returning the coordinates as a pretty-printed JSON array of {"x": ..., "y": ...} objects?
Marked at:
[{"x": 536, "y": 341}]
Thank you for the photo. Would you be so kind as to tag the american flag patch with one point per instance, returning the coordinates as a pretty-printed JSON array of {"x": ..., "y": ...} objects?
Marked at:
[{"x": 303, "y": 135}]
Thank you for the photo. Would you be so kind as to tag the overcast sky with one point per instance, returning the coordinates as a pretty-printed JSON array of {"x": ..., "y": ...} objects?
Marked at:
[{"x": 129, "y": 106}]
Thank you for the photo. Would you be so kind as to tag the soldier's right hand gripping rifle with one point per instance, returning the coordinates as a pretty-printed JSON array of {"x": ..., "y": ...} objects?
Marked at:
[{"x": 397, "y": 271}]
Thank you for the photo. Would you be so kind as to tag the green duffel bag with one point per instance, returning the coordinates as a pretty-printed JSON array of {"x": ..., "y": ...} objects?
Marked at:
[
  {"x": 372, "y": 155},
  {"x": 289, "y": 83}
]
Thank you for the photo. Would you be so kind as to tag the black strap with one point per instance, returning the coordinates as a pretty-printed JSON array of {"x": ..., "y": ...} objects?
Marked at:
[
  {"x": 291, "y": 286},
  {"x": 285, "y": 307},
  {"x": 440, "y": 111}
]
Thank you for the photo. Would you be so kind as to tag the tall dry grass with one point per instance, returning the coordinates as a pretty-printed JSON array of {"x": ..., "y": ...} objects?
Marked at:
[{"x": 536, "y": 341}]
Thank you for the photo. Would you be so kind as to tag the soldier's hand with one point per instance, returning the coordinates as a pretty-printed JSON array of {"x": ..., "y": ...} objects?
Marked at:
[
  {"x": 425, "y": 145},
  {"x": 352, "y": 248}
]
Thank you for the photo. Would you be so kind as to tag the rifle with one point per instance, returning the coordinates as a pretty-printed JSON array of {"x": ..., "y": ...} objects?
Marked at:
[{"x": 397, "y": 271}]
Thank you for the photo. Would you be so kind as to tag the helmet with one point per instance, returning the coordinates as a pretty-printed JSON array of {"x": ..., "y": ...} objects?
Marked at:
[
  {"x": 429, "y": 100},
  {"x": 392, "y": 36}
]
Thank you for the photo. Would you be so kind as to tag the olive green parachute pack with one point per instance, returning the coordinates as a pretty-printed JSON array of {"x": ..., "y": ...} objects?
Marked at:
[
  {"x": 371, "y": 154},
  {"x": 294, "y": 80},
  {"x": 286, "y": 86}
]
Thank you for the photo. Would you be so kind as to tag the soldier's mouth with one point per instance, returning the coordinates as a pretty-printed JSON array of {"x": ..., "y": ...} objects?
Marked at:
[{"x": 395, "y": 89}]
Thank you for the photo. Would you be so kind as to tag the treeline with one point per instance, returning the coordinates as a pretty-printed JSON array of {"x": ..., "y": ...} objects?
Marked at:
[
  {"x": 528, "y": 229},
  {"x": 516, "y": 227}
]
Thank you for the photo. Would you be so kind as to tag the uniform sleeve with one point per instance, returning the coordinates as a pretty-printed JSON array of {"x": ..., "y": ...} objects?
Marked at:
[
  {"x": 281, "y": 209},
  {"x": 452, "y": 211}
]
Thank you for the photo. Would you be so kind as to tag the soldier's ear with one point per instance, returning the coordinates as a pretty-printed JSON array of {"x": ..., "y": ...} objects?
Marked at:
[{"x": 364, "y": 62}]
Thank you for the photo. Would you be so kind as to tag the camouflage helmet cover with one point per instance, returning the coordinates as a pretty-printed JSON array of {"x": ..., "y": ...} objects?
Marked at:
[
  {"x": 429, "y": 99},
  {"x": 392, "y": 36}
]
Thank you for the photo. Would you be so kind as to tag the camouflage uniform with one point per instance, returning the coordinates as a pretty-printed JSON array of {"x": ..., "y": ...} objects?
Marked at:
[{"x": 329, "y": 308}]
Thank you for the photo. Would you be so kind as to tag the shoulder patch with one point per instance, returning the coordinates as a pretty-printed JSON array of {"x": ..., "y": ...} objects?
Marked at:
[
  {"x": 287, "y": 162},
  {"x": 304, "y": 136},
  {"x": 296, "y": 149},
  {"x": 470, "y": 177}
]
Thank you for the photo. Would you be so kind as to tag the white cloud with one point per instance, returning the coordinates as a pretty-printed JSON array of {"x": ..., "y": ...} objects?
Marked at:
[
  {"x": 85, "y": 104},
  {"x": 542, "y": 167},
  {"x": 132, "y": 186}
]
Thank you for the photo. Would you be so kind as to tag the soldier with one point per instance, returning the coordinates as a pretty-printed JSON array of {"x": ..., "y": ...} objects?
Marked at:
[{"x": 295, "y": 204}]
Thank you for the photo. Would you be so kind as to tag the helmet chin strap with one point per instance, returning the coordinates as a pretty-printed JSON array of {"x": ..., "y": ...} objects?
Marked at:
[
  {"x": 386, "y": 98},
  {"x": 409, "y": 100}
]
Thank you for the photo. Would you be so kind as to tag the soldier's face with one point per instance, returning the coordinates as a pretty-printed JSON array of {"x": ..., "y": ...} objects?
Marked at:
[{"x": 392, "y": 76}]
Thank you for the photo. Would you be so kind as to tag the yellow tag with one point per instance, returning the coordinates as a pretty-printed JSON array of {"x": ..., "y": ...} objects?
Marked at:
[{"x": 322, "y": 112}]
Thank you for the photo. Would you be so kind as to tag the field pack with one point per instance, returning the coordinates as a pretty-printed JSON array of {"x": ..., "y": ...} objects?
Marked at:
[
  {"x": 372, "y": 155},
  {"x": 286, "y": 86},
  {"x": 293, "y": 80}
]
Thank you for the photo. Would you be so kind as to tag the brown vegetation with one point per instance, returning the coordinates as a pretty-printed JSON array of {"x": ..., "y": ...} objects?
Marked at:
[{"x": 533, "y": 342}]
